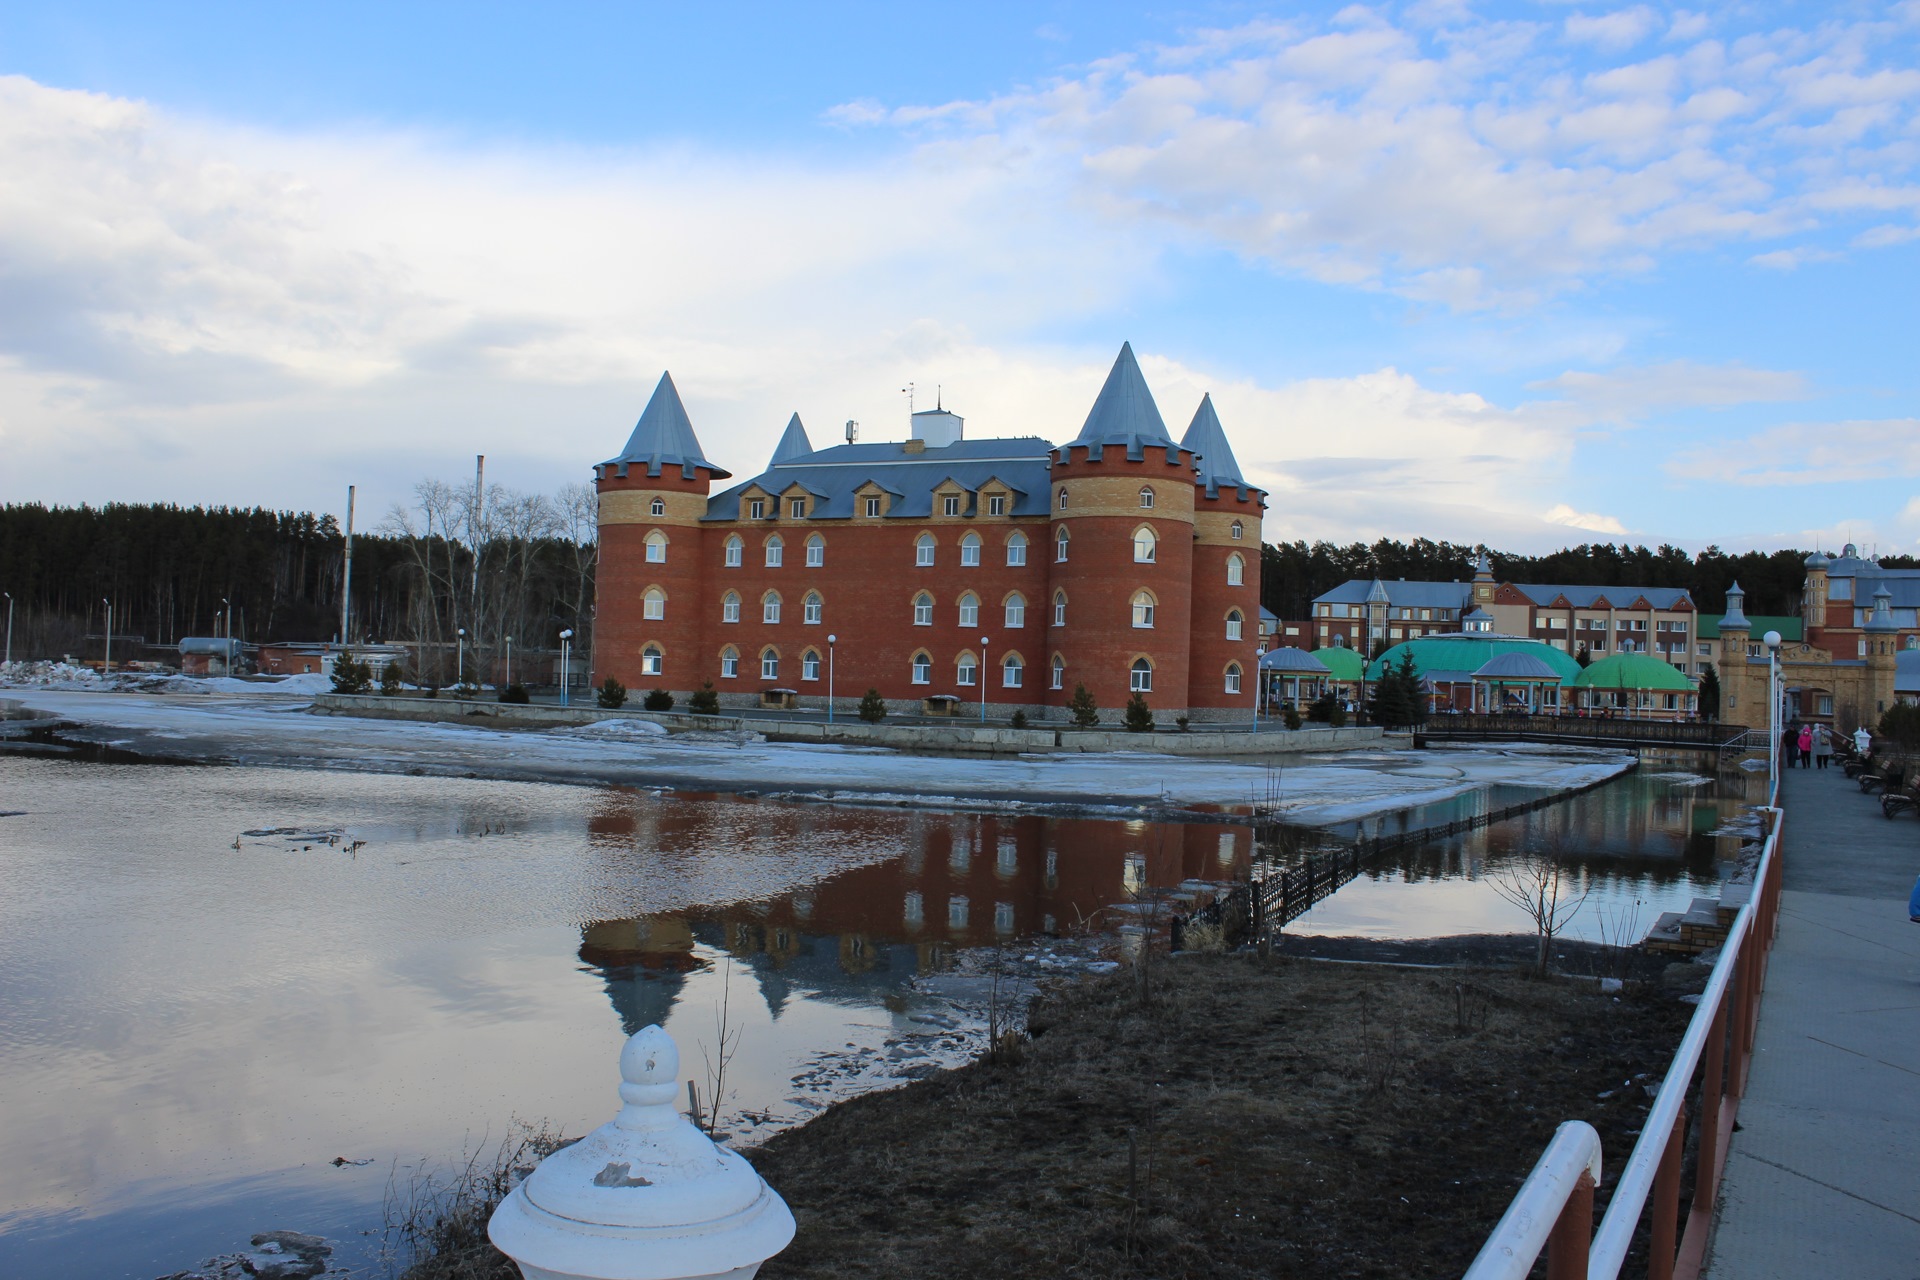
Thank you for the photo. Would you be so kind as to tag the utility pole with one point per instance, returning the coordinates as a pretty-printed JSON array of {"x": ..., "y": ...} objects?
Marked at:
[
  {"x": 473, "y": 539},
  {"x": 346, "y": 578},
  {"x": 9, "y": 596},
  {"x": 106, "y": 664}
]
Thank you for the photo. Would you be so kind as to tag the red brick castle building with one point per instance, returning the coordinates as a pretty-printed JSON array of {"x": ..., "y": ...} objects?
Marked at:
[{"x": 938, "y": 570}]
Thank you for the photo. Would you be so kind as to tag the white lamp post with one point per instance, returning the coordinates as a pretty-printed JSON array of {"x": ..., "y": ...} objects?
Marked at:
[
  {"x": 566, "y": 644},
  {"x": 106, "y": 665},
  {"x": 1259, "y": 681},
  {"x": 9, "y": 596},
  {"x": 460, "y": 656},
  {"x": 646, "y": 1196},
  {"x": 509, "y": 659},
  {"x": 830, "y": 643},
  {"x": 1772, "y": 641},
  {"x": 983, "y": 679}
]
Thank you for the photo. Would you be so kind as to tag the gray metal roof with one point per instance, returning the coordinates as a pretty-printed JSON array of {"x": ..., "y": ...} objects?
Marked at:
[
  {"x": 1287, "y": 658},
  {"x": 793, "y": 443},
  {"x": 1514, "y": 665},
  {"x": 1901, "y": 585},
  {"x": 1124, "y": 412},
  {"x": 1906, "y": 671},
  {"x": 664, "y": 438},
  {"x": 833, "y": 476},
  {"x": 1212, "y": 455},
  {"x": 1620, "y": 596},
  {"x": 1421, "y": 595}
]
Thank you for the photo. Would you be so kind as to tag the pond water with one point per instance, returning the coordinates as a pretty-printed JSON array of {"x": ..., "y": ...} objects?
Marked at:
[{"x": 196, "y": 1022}]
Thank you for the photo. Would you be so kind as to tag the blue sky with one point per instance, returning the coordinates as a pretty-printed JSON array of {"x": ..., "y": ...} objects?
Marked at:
[{"x": 1519, "y": 273}]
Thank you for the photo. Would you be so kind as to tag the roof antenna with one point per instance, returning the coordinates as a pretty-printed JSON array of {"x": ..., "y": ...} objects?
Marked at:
[
  {"x": 907, "y": 391},
  {"x": 853, "y": 431},
  {"x": 939, "y": 404}
]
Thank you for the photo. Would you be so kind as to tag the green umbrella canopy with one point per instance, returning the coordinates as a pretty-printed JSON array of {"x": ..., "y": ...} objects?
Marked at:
[
  {"x": 1466, "y": 653},
  {"x": 1343, "y": 662},
  {"x": 1633, "y": 671}
]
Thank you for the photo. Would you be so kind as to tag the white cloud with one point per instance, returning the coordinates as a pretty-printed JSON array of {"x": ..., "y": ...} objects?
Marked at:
[
  {"x": 1802, "y": 453},
  {"x": 1561, "y": 513},
  {"x": 1629, "y": 393},
  {"x": 1621, "y": 29}
]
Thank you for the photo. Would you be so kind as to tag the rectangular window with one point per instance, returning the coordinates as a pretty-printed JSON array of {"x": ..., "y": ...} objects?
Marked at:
[
  {"x": 951, "y": 504},
  {"x": 769, "y": 667},
  {"x": 770, "y": 609},
  {"x": 729, "y": 666},
  {"x": 649, "y": 664},
  {"x": 816, "y": 554},
  {"x": 810, "y": 667},
  {"x": 997, "y": 505},
  {"x": 922, "y": 671},
  {"x": 1142, "y": 680},
  {"x": 1010, "y": 675},
  {"x": 923, "y": 612},
  {"x": 733, "y": 553},
  {"x": 656, "y": 552},
  {"x": 969, "y": 612},
  {"x": 774, "y": 552},
  {"x": 730, "y": 609},
  {"x": 969, "y": 554},
  {"x": 757, "y": 510},
  {"x": 654, "y": 608},
  {"x": 1016, "y": 614},
  {"x": 965, "y": 672},
  {"x": 1704, "y": 649},
  {"x": 873, "y": 508},
  {"x": 797, "y": 508},
  {"x": 923, "y": 552},
  {"x": 1017, "y": 551},
  {"x": 1233, "y": 679}
]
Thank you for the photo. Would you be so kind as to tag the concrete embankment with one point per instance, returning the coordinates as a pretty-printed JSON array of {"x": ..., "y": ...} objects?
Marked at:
[{"x": 966, "y": 737}]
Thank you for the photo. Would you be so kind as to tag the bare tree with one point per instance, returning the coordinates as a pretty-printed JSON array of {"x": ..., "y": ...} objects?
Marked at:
[{"x": 1536, "y": 881}]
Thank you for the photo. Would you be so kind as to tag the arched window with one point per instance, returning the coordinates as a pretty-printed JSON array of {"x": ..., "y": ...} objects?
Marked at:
[
  {"x": 1012, "y": 671},
  {"x": 922, "y": 668},
  {"x": 769, "y": 664},
  {"x": 1234, "y": 619},
  {"x": 656, "y": 547},
  {"x": 1060, "y": 545},
  {"x": 1236, "y": 570},
  {"x": 923, "y": 550},
  {"x": 776, "y": 549},
  {"x": 1143, "y": 603},
  {"x": 730, "y": 607},
  {"x": 729, "y": 663},
  {"x": 1140, "y": 679},
  {"x": 966, "y": 670},
  {"x": 923, "y": 610},
  {"x": 734, "y": 547},
  {"x": 770, "y": 607},
  {"x": 816, "y": 551},
  {"x": 1016, "y": 610},
  {"x": 657, "y": 507},
  {"x": 970, "y": 551},
  {"x": 1059, "y": 608},
  {"x": 1238, "y": 531},
  {"x": 811, "y": 608},
  {"x": 1063, "y": 497},
  {"x": 809, "y": 665},
  {"x": 653, "y": 605},
  {"x": 1144, "y": 545},
  {"x": 1233, "y": 677},
  {"x": 969, "y": 610},
  {"x": 1017, "y": 549},
  {"x": 1146, "y": 496},
  {"x": 1059, "y": 672},
  {"x": 651, "y": 660}
]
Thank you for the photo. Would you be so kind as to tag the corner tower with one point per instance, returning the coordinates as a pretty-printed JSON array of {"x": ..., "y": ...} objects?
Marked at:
[
  {"x": 1225, "y": 635},
  {"x": 652, "y": 496},
  {"x": 1122, "y": 545}
]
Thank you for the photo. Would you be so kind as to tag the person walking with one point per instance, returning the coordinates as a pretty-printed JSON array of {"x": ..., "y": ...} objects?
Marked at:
[
  {"x": 1822, "y": 746},
  {"x": 1789, "y": 746},
  {"x": 1806, "y": 746}
]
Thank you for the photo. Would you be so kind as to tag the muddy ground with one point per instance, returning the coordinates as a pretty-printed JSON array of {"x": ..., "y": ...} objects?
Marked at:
[{"x": 1236, "y": 1116}]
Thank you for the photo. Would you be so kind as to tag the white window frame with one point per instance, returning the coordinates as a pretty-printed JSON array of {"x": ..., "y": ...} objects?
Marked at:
[
  {"x": 922, "y": 669},
  {"x": 653, "y": 605},
  {"x": 736, "y": 551},
  {"x": 1060, "y": 540},
  {"x": 1013, "y": 672},
  {"x": 811, "y": 608},
  {"x": 1059, "y": 608},
  {"x": 730, "y": 607},
  {"x": 1017, "y": 550},
  {"x": 796, "y": 508},
  {"x": 1146, "y": 545},
  {"x": 757, "y": 509},
  {"x": 656, "y": 547},
  {"x": 810, "y": 665},
  {"x": 1059, "y": 669},
  {"x": 1235, "y": 621},
  {"x": 1232, "y": 681},
  {"x": 770, "y": 608},
  {"x": 729, "y": 664},
  {"x": 1016, "y": 611},
  {"x": 1146, "y": 497},
  {"x": 769, "y": 665},
  {"x": 657, "y": 507},
  {"x": 651, "y": 660},
  {"x": 1238, "y": 531},
  {"x": 923, "y": 551},
  {"x": 970, "y": 610},
  {"x": 816, "y": 551},
  {"x": 1143, "y": 605},
  {"x": 1236, "y": 570},
  {"x": 1140, "y": 676},
  {"x": 776, "y": 551},
  {"x": 873, "y": 508},
  {"x": 966, "y": 670},
  {"x": 923, "y": 610},
  {"x": 950, "y": 504},
  {"x": 970, "y": 551},
  {"x": 997, "y": 504}
]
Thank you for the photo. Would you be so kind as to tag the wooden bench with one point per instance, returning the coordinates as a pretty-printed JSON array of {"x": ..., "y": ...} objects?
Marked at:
[
  {"x": 1901, "y": 799},
  {"x": 1883, "y": 779}
]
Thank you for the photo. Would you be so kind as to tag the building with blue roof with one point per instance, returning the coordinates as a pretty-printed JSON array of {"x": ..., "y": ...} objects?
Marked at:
[{"x": 947, "y": 574}]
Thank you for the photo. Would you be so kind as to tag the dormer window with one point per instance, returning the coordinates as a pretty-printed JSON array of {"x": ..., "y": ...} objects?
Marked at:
[
  {"x": 797, "y": 508},
  {"x": 757, "y": 509},
  {"x": 873, "y": 508},
  {"x": 997, "y": 504},
  {"x": 951, "y": 504}
]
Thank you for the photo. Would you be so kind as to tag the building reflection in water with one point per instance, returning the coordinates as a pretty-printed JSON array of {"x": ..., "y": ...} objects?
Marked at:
[{"x": 929, "y": 883}]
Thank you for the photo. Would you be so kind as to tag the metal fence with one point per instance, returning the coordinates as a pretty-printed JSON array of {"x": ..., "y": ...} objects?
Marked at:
[{"x": 1591, "y": 730}]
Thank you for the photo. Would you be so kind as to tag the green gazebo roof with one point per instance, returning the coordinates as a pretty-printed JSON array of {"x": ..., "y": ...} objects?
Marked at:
[
  {"x": 1459, "y": 655},
  {"x": 1632, "y": 671},
  {"x": 1343, "y": 662}
]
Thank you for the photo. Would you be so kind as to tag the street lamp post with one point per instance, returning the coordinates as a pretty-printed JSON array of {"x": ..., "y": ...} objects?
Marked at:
[
  {"x": 9, "y": 596},
  {"x": 831, "y": 639},
  {"x": 106, "y": 664},
  {"x": 509, "y": 660},
  {"x": 566, "y": 644},
  {"x": 983, "y": 679},
  {"x": 1259, "y": 681},
  {"x": 1772, "y": 641},
  {"x": 460, "y": 656}
]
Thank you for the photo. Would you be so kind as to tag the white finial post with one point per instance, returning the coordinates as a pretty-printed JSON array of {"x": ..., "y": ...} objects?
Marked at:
[{"x": 645, "y": 1196}]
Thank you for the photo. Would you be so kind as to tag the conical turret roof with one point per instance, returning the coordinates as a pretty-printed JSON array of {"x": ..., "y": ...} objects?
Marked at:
[
  {"x": 1124, "y": 412},
  {"x": 1212, "y": 455},
  {"x": 664, "y": 437},
  {"x": 793, "y": 443}
]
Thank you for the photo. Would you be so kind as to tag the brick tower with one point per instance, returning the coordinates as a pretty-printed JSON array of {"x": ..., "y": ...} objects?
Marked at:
[
  {"x": 1122, "y": 547},
  {"x": 652, "y": 498},
  {"x": 1222, "y": 654}
]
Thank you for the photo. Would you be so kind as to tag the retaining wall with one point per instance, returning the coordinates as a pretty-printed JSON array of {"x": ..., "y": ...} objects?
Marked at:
[{"x": 960, "y": 736}]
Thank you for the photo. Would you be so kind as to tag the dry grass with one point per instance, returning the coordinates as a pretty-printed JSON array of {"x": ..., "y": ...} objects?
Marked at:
[
  {"x": 437, "y": 1223},
  {"x": 1247, "y": 1118}
]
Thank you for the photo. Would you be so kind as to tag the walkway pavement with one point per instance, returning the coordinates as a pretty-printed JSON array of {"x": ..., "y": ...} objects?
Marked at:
[{"x": 1823, "y": 1177}]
